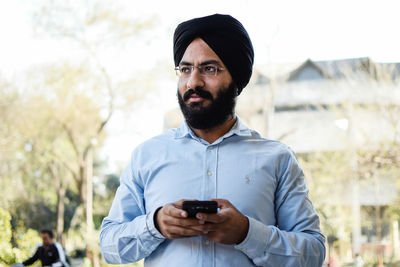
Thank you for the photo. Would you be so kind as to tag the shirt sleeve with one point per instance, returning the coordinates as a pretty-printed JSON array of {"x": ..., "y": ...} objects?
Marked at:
[
  {"x": 128, "y": 233},
  {"x": 32, "y": 259},
  {"x": 296, "y": 240}
]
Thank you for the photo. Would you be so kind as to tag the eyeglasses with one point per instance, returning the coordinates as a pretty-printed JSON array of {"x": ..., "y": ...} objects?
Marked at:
[{"x": 205, "y": 70}]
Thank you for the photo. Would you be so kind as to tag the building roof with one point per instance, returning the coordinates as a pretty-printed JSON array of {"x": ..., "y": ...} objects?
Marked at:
[
  {"x": 345, "y": 68},
  {"x": 308, "y": 64}
]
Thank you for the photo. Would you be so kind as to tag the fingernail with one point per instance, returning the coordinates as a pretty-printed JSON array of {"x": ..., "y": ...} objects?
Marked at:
[
  {"x": 183, "y": 214},
  {"x": 199, "y": 216},
  {"x": 205, "y": 232}
]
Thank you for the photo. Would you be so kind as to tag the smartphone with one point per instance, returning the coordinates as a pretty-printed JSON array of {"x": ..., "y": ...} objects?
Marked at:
[{"x": 193, "y": 207}]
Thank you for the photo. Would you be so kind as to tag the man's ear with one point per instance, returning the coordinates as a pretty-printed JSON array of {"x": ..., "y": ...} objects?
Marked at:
[
  {"x": 237, "y": 91},
  {"x": 236, "y": 88}
]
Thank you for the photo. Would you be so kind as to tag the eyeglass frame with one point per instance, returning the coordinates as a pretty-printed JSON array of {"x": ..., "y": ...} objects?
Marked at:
[{"x": 200, "y": 68}]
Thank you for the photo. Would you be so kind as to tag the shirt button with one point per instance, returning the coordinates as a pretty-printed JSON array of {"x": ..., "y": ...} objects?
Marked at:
[
  {"x": 210, "y": 147},
  {"x": 209, "y": 173},
  {"x": 207, "y": 242}
]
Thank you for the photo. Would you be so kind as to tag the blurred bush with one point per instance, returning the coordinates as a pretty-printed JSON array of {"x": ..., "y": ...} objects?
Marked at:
[{"x": 17, "y": 247}]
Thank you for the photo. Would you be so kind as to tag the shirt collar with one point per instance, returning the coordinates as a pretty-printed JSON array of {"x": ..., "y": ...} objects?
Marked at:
[{"x": 239, "y": 128}]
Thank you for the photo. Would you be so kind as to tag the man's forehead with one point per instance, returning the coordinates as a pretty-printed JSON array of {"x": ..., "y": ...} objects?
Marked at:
[{"x": 200, "y": 53}]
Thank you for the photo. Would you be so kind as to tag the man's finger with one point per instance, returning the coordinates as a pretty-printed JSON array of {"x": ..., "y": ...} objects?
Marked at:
[
  {"x": 173, "y": 211},
  {"x": 222, "y": 203},
  {"x": 211, "y": 217},
  {"x": 178, "y": 204},
  {"x": 185, "y": 222}
]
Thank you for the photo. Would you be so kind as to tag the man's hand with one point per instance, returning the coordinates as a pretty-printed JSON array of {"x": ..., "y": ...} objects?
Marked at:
[
  {"x": 228, "y": 226},
  {"x": 173, "y": 222}
]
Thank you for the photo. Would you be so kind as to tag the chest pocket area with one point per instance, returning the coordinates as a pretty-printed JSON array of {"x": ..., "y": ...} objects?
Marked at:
[{"x": 249, "y": 184}]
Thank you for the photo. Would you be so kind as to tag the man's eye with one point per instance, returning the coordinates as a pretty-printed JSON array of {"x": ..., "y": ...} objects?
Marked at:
[
  {"x": 185, "y": 69},
  {"x": 210, "y": 69}
]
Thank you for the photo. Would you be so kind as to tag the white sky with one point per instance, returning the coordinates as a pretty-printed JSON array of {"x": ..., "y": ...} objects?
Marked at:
[{"x": 281, "y": 31}]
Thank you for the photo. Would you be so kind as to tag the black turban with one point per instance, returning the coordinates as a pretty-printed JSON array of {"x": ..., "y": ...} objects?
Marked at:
[{"x": 227, "y": 38}]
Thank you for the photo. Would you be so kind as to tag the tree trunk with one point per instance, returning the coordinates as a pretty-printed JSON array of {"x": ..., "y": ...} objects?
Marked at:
[
  {"x": 82, "y": 188},
  {"x": 60, "y": 201},
  {"x": 60, "y": 214},
  {"x": 92, "y": 243}
]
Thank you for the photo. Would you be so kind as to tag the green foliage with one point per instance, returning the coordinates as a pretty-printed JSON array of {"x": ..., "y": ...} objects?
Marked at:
[
  {"x": 112, "y": 183},
  {"x": 105, "y": 192},
  {"x": 5, "y": 226},
  {"x": 6, "y": 251},
  {"x": 26, "y": 241},
  {"x": 35, "y": 214},
  {"x": 327, "y": 173},
  {"x": 72, "y": 203}
]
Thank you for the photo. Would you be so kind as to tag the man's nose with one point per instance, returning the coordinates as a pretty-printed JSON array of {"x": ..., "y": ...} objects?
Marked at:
[{"x": 195, "y": 79}]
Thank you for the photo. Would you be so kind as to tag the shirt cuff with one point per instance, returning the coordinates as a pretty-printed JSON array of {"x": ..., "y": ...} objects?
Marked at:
[
  {"x": 151, "y": 228},
  {"x": 255, "y": 242}
]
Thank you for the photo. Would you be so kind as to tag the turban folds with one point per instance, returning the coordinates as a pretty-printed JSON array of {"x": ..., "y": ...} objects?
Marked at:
[{"x": 226, "y": 36}]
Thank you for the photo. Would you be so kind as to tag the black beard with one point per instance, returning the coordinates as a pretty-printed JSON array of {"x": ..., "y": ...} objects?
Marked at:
[{"x": 214, "y": 114}]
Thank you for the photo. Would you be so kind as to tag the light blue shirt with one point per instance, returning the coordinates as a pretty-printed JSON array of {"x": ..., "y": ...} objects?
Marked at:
[{"x": 260, "y": 177}]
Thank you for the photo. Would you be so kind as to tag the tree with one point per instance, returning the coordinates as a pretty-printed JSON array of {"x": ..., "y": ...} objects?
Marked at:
[{"x": 92, "y": 27}]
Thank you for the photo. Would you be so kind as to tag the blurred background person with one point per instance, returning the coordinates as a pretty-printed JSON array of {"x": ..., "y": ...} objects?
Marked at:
[{"x": 49, "y": 253}]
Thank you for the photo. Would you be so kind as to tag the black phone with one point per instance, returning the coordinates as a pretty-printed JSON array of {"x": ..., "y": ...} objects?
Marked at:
[{"x": 193, "y": 207}]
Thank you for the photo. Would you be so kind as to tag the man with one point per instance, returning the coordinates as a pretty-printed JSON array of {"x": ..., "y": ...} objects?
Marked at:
[
  {"x": 49, "y": 253},
  {"x": 265, "y": 217}
]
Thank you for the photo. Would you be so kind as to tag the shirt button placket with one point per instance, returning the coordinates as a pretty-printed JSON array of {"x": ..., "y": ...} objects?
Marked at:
[
  {"x": 210, "y": 171},
  {"x": 209, "y": 185}
]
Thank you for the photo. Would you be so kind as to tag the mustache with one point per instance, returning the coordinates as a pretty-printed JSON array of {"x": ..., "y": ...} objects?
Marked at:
[{"x": 198, "y": 91}]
